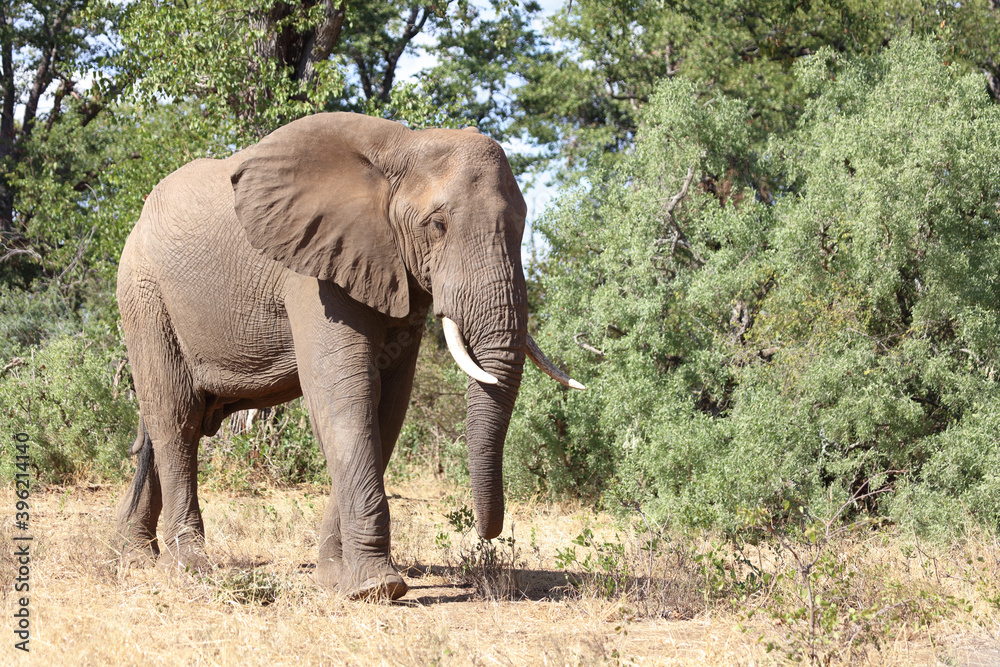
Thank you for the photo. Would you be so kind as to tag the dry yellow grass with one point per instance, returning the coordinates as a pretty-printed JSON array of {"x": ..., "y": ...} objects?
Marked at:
[{"x": 87, "y": 610}]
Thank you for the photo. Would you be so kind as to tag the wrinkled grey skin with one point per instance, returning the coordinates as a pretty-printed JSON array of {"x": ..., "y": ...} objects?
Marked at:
[{"x": 305, "y": 265}]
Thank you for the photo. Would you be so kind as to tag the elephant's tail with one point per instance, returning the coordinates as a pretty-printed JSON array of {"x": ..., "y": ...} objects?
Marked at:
[{"x": 143, "y": 449}]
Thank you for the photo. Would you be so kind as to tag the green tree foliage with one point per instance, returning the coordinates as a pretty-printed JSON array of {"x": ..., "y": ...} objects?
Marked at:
[
  {"x": 57, "y": 240},
  {"x": 254, "y": 65},
  {"x": 480, "y": 61},
  {"x": 782, "y": 326},
  {"x": 46, "y": 51},
  {"x": 972, "y": 31},
  {"x": 583, "y": 98}
]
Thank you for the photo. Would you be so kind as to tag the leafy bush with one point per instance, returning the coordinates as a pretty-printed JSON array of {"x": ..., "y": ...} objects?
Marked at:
[
  {"x": 29, "y": 318},
  {"x": 276, "y": 447},
  {"x": 786, "y": 323},
  {"x": 71, "y": 398}
]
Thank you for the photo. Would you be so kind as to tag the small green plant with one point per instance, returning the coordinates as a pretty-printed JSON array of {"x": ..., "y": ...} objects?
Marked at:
[
  {"x": 442, "y": 541},
  {"x": 462, "y": 520},
  {"x": 604, "y": 562},
  {"x": 487, "y": 565},
  {"x": 832, "y": 609}
]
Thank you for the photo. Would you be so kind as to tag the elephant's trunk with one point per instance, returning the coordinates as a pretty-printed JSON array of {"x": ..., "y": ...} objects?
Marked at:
[
  {"x": 489, "y": 412},
  {"x": 497, "y": 342}
]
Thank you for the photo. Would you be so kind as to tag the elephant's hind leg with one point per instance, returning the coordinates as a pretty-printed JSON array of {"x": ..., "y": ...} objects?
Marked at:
[
  {"x": 175, "y": 454},
  {"x": 171, "y": 412}
]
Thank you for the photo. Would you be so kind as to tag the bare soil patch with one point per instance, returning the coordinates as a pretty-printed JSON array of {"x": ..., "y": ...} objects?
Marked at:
[{"x": 260, "y": 607}]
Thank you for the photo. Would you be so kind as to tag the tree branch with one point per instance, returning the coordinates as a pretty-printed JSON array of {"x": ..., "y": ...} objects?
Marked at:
[
  {"x": 14, "y": 252},
  {"x": 64, "y": 89},
  {"x": 43, "y": 73},
  {"x": 81, "y": 248},
  {"x": 679, "y": 238},
  {"x": 6, "y": 120},
  {"x": 14, "y": 363},
  {"x": 586, "y": 346},
  {"x": 94, "y": 106},
  {"x": 413, "y": 28},
  {"x": 366, "y": 81},
  {"x": 676, "y": 199}
]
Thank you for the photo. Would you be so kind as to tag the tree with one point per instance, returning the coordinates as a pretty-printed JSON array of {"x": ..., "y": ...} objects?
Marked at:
[
  {"x": 972, "y": 31},
  {"x": 782, "y": 323},
  {"x": 264, "y": 62},
  {"x": 251, "y": 65},
  {"x": 583, "y": 98},
  {"x": 480, "y": 61},
  {"x": 46, "y": 49}
]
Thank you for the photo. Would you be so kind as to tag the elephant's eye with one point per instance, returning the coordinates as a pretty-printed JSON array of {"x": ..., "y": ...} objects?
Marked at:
[{"x": 436, "y": 224}]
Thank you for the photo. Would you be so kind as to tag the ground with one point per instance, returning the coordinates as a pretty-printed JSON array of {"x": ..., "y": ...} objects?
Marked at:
[{"x": 260, "y": 607}]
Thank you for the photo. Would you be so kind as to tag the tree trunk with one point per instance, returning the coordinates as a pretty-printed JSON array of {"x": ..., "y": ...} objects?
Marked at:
[{"x": 6, "y": 122}]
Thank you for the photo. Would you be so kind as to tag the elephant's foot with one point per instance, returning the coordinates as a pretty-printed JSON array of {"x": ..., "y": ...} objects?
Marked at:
[
  {"x": 387, "y": 587},
  {"x": 136, "y": 544},
  {"x": 328, "y": 571},
  {"x": 371, "y": 580},
  {"x": 182, "y": 557},
  {"x": 139, "y": 554}
]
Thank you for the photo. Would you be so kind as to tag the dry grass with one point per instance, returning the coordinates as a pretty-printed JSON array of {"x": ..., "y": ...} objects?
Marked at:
[{"x": 261, "y": 607}]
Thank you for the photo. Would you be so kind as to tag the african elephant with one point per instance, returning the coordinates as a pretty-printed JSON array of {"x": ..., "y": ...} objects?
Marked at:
[{"x": 305, "y": 266}]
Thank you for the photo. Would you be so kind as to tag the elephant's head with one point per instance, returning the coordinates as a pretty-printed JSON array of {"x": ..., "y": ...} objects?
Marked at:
[{"x": 382, "y": 211}]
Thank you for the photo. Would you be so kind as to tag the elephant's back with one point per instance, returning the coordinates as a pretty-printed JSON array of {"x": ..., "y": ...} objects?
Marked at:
[
  {"x": 224, "y": 298},
  {"x": 191, "y": 203},
  {"x": 188, "y": 239}
]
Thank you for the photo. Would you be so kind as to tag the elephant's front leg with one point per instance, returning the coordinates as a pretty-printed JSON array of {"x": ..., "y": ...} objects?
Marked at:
[
  {"x": 396, "y": 364},
  {"x": 354, "y": 537},
  {"x": 341, "y": 386}
]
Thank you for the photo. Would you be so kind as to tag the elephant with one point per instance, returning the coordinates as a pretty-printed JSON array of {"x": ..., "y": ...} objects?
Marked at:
[{"x": 305, "y": 265}]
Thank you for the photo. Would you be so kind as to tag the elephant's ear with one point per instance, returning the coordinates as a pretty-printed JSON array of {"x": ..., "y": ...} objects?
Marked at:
[{"x": 309, "y": 197}]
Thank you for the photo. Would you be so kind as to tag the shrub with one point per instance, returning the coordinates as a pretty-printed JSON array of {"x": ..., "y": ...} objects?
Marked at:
[
  {"x": 71, "y": 397},
  {"x": 789, "y": 323}
]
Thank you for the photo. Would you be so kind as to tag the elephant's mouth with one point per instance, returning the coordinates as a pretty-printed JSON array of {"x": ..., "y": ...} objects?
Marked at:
[{"x": 456, "y": 345}]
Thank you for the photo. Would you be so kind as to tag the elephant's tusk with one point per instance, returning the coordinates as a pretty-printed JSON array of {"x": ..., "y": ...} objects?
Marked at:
[
  {"x": 549, "y": 368},
  {"x": 456, "y": 345}
]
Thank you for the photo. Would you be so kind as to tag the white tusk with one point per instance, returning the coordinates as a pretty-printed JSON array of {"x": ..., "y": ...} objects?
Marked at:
[
  {"x": 549, "y": 368},
  {"x": 457, "y": 348}
]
